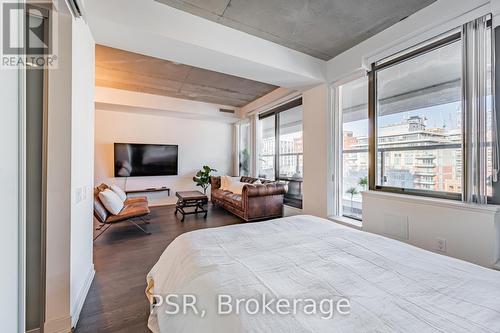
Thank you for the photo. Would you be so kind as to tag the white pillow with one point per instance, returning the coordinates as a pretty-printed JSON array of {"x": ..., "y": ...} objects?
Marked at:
[
  {"x": 224, "y": 182},
  {"x": 257, "y": 182},
  {"x": 236, "y": 187},
  {"x": 111, "y": 201},
  {"x": 121, "y": 194}
]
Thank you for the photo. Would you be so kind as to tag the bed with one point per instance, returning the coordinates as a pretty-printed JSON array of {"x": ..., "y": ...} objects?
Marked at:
[{"x": 391, "y": 286}]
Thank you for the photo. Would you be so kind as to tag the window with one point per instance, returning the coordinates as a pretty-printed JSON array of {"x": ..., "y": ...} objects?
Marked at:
[
  {"x": 431, "y": 112},
  {"x": 267, "y": 135},
  {"x": 418, "y": 125},
  {"x": 353, "y": 98},
  {"x": 281, "y": 149},
  {"x": 291, "y": 164},
  {"x": 244, "y": 149},
  {"x": 419, "y": 121}
]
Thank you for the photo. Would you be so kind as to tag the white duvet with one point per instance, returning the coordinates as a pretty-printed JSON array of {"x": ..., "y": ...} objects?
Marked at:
[{"x": 391, "y": 286}]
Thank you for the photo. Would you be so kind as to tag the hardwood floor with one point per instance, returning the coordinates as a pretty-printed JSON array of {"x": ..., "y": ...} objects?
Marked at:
[{"x": 122, "y": 257}]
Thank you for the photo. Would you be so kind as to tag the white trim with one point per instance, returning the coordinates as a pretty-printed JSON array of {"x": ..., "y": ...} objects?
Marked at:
[
  {"x": 78, "y": 305},
  {"x": 22, "y": 189},
  {"x": 335, "y": 140},
  {"x": 348, "y": 222},
  {"x": 427, "y": 201}
]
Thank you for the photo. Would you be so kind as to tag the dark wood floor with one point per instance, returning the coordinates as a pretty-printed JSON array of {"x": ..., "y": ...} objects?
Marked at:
[{"x": 122, "y": 257}]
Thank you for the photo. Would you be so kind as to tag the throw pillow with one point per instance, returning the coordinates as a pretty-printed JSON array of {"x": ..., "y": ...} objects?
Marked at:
[
  {"x": 119, "y": 192},
  {"x": 236, "y": 187},
  {"x": 111, "y": 201},
  {"x": 257, "y": 182},
  {"x": 225, "y": 182}
]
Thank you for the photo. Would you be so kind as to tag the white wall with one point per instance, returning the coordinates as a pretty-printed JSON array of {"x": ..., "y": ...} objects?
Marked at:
[
  {"x": 9, "y": 200},
  {"x": 59, "y": 185},
  {"x": 315, "y": 119},
  {"x": 82, "y": 165},
  {"x": 201, "y": 142},
  {"x": 470, "y": 231}
]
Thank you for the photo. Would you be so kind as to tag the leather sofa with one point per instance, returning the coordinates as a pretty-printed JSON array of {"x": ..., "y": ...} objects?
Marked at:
[{"x": 257, "y": 202}]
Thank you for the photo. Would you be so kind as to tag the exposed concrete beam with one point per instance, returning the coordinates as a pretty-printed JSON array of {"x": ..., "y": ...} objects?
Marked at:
[
  {"x": 151, "y": 28},
  {"x": 110, "y": 99}
]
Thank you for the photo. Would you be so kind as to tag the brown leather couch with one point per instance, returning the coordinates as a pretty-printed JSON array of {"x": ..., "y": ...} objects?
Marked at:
[{"x": 257, "y": 202}]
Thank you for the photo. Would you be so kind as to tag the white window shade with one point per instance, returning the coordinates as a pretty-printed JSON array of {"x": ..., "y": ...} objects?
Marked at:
[{"x": 480, "y": 132}]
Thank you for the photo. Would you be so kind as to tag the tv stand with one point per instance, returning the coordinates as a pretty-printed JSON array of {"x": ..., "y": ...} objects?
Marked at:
[{"x": 150, "y": 189}]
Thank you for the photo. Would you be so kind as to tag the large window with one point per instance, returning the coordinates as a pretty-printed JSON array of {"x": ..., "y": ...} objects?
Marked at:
[
  {"x": 281, "y": 149},
  {"x": 353, "y": 97},
  {"x": 431, "y": 115},
  {"x": 419, "y": 122},
  {"x": 267, "y": 144},
  {"x": 244, "y": 149}
]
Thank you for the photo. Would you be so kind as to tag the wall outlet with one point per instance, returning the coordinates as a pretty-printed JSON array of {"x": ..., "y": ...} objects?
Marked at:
[{"x": 441, "y": 245}]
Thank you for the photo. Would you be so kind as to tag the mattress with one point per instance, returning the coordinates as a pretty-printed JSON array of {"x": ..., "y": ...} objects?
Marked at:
[{"x": 388, "y": 286}]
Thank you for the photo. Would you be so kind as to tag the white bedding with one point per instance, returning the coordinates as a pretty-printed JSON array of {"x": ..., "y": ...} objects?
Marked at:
[{"x": 391, "y": 286}]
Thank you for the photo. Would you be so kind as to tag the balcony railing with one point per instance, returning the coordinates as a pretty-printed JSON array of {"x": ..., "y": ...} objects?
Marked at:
[
  {"x": 293, "y": 197},
  {"x": 424, "y": 167}
]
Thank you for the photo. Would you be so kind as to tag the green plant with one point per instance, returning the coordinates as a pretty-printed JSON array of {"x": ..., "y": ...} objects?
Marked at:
[
  {"x": 363, "y": 182},
  {"x": 202, "y": 177},
  {"x": 352, "y": 191}
]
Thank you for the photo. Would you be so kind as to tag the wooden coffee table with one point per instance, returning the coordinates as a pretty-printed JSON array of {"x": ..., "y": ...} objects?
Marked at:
[{"x": 187, "y": 199}]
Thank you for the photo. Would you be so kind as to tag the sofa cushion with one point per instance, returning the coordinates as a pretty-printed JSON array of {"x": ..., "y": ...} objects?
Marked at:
[
  {"x": 131, "y": 200},
  {"x": 111, "y": 201},
  {"x": 246, "y": 179},
  {"x": 233, "y": 199},
  {"x": 129, "y": 211},
  {"x": 119, "y": 192},
  {"x": 100, "y": 212},
  {"x": 218, "y": 194}
]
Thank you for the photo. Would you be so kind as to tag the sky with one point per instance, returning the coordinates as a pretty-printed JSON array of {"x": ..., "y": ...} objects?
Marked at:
[{"x": 439, "y": 116}]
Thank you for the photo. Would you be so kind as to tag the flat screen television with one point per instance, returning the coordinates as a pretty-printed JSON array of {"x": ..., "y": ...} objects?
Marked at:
[{"x": 132, "y": 160}]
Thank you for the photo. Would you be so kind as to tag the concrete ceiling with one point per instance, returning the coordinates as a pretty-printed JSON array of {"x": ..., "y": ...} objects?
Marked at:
[
  {"x": 135, "y": 72},
  {"x": 320, "y": 28}
]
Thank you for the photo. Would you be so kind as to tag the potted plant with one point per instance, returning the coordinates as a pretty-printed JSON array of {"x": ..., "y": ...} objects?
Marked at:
[
  {"x": 202, "y": 178},
  {"x": 352, "y": 191},
  {"x": 363, "y": 182}
]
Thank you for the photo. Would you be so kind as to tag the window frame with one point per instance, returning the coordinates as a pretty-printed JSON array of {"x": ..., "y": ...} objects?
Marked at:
[
  {"x": 240, "y": 126},
  {"x": 372, "y": 121},
  {"x": 338, "y": 152},
  {"x": 276, "y": 113}
]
